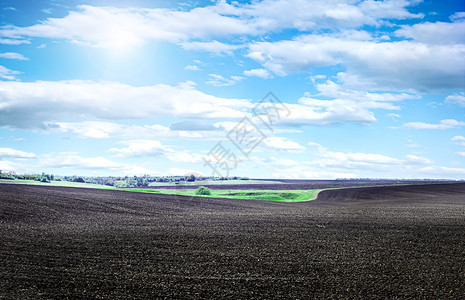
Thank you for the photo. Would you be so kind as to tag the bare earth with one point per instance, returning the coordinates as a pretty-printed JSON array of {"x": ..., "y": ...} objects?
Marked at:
[{"x": 376, "y": 242}]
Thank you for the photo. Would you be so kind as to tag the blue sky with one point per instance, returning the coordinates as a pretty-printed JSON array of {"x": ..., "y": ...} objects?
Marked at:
[{"x": 365, "y": 88}]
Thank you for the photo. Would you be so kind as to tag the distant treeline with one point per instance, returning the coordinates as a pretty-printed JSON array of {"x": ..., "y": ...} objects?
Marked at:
[
  {"x": 391, "y": 179},
  {"x": 126, "y": 181}
]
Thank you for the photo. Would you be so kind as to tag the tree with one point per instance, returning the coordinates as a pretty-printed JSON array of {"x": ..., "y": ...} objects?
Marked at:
[
  {"x": 191, "y": 177},
  {"x": 203, "y": 191},
  {"x": 79, "y": 179}
]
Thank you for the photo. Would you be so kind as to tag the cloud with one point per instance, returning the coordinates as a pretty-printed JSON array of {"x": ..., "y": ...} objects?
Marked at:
[
  {"x": 213, "y": 46},
  {"x": 191, "y": 68},
  {"x": 6, "y": 166},
  {"x": 403, "y": 65},
  {"x": 218, "y": 80},
  {"x": 47, "y": 104},
  {"x": 281, "y": 143},
  {"x": 334, "y": 90},
  {"x": 142, "y": 148},
  {"x": 190, "y": 129},
  {"x": 34, "y": 104},
  {"x": 417, "y": 160},
  {"x": 461, "y": 153},
  {"x": 13, "y": 41},
  {"x": 74, "y": 162},
  {"x": 460, "y": 15},
  {"x": 459, "y": 140},
  {"x": 193, "y": 125},
  {"x": 440, "y": 172},
  {"x": 389, "y": 9},
  {"x": 13, "y": 55},
  {"x": 8, "y": 74},
  {"x": 88, "y": 129},
  {"x": 329, "y": 164},
  {"x": 394, "y": 116},
  {"x": 311, "y": 111},
  {"x": 13, "y": 153},
  {"x": 262, "y": 73},
  {"x": 71, "y": 160},
  {"x": 456, "y": 99},
  {"x": 348, "y": 106},
  {"x": 444, "y": 124},
  {"x": 110, "y": 26},
  {"x": 434, "y": 33}
]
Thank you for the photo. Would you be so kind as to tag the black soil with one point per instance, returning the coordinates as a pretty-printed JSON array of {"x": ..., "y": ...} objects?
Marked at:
[{"x": 377, "y": 242}]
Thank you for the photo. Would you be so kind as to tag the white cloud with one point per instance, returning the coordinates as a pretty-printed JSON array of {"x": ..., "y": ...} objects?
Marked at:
[
  {"x": 399, "y": 65},
  {"x": 347, "y": 106},
  {"x": 460, "y": 15},
  {"x": 111, "y": 27},
  {"x": 443, "y": 172},
  {"x": 191, "y": 68},
  {"x": 262, "y": 73},
  {"x": 457, "y": 99},
  {"x": 6, "y": 166},
  {"x": 218, "y": 80},
  {"x": 325, "y": 112},
  {"x": 8, "y": 74},
  {"x": 389, "y": 9},
  {"x": 8, "y": 152},
  {"x": 47, "y": 104},
  {"x": 142, "y": 148},
  {"x": 191, "y": 129},
  {"x": 32, "y": 104},
  {"x": 434, "y": 33},
  {"x": 418, "y": 160},
  {"x": 394, "y": 116},
  {"x": 13, "y": 55},
  {"x": 461, "y": 154},
  {"x": 13, "y": 41},
  {"x": 336, "y": 164},
  {"x": 459, "y": 140},
  {"x": 334, "y": 90},
  {"x": 72, "y": 161},
  {"x": 281, "y": 143},
  {"x": 213, "y": 46},
  {"x": 88, "y": 129},
  {"x": 444, "y": 124}
]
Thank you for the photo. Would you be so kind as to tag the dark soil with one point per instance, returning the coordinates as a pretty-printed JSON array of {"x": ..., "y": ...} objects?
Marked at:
[
  {"x": 378, "y": 242},
  {"x": 288, "y": 184}
]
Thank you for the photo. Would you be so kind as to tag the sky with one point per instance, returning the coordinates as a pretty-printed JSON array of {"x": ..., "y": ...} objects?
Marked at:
[{"x": 265, "y": 89}]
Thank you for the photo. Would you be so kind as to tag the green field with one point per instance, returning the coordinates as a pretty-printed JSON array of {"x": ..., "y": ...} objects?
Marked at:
[{"x": 266, "y": 195}]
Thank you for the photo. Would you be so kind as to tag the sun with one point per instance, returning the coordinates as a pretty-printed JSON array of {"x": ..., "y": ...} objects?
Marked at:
[{"x": 122, "y": 43}]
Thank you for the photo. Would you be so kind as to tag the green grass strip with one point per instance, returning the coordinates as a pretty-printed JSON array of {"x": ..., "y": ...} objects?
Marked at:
[{"x": 264, "y": 195}]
